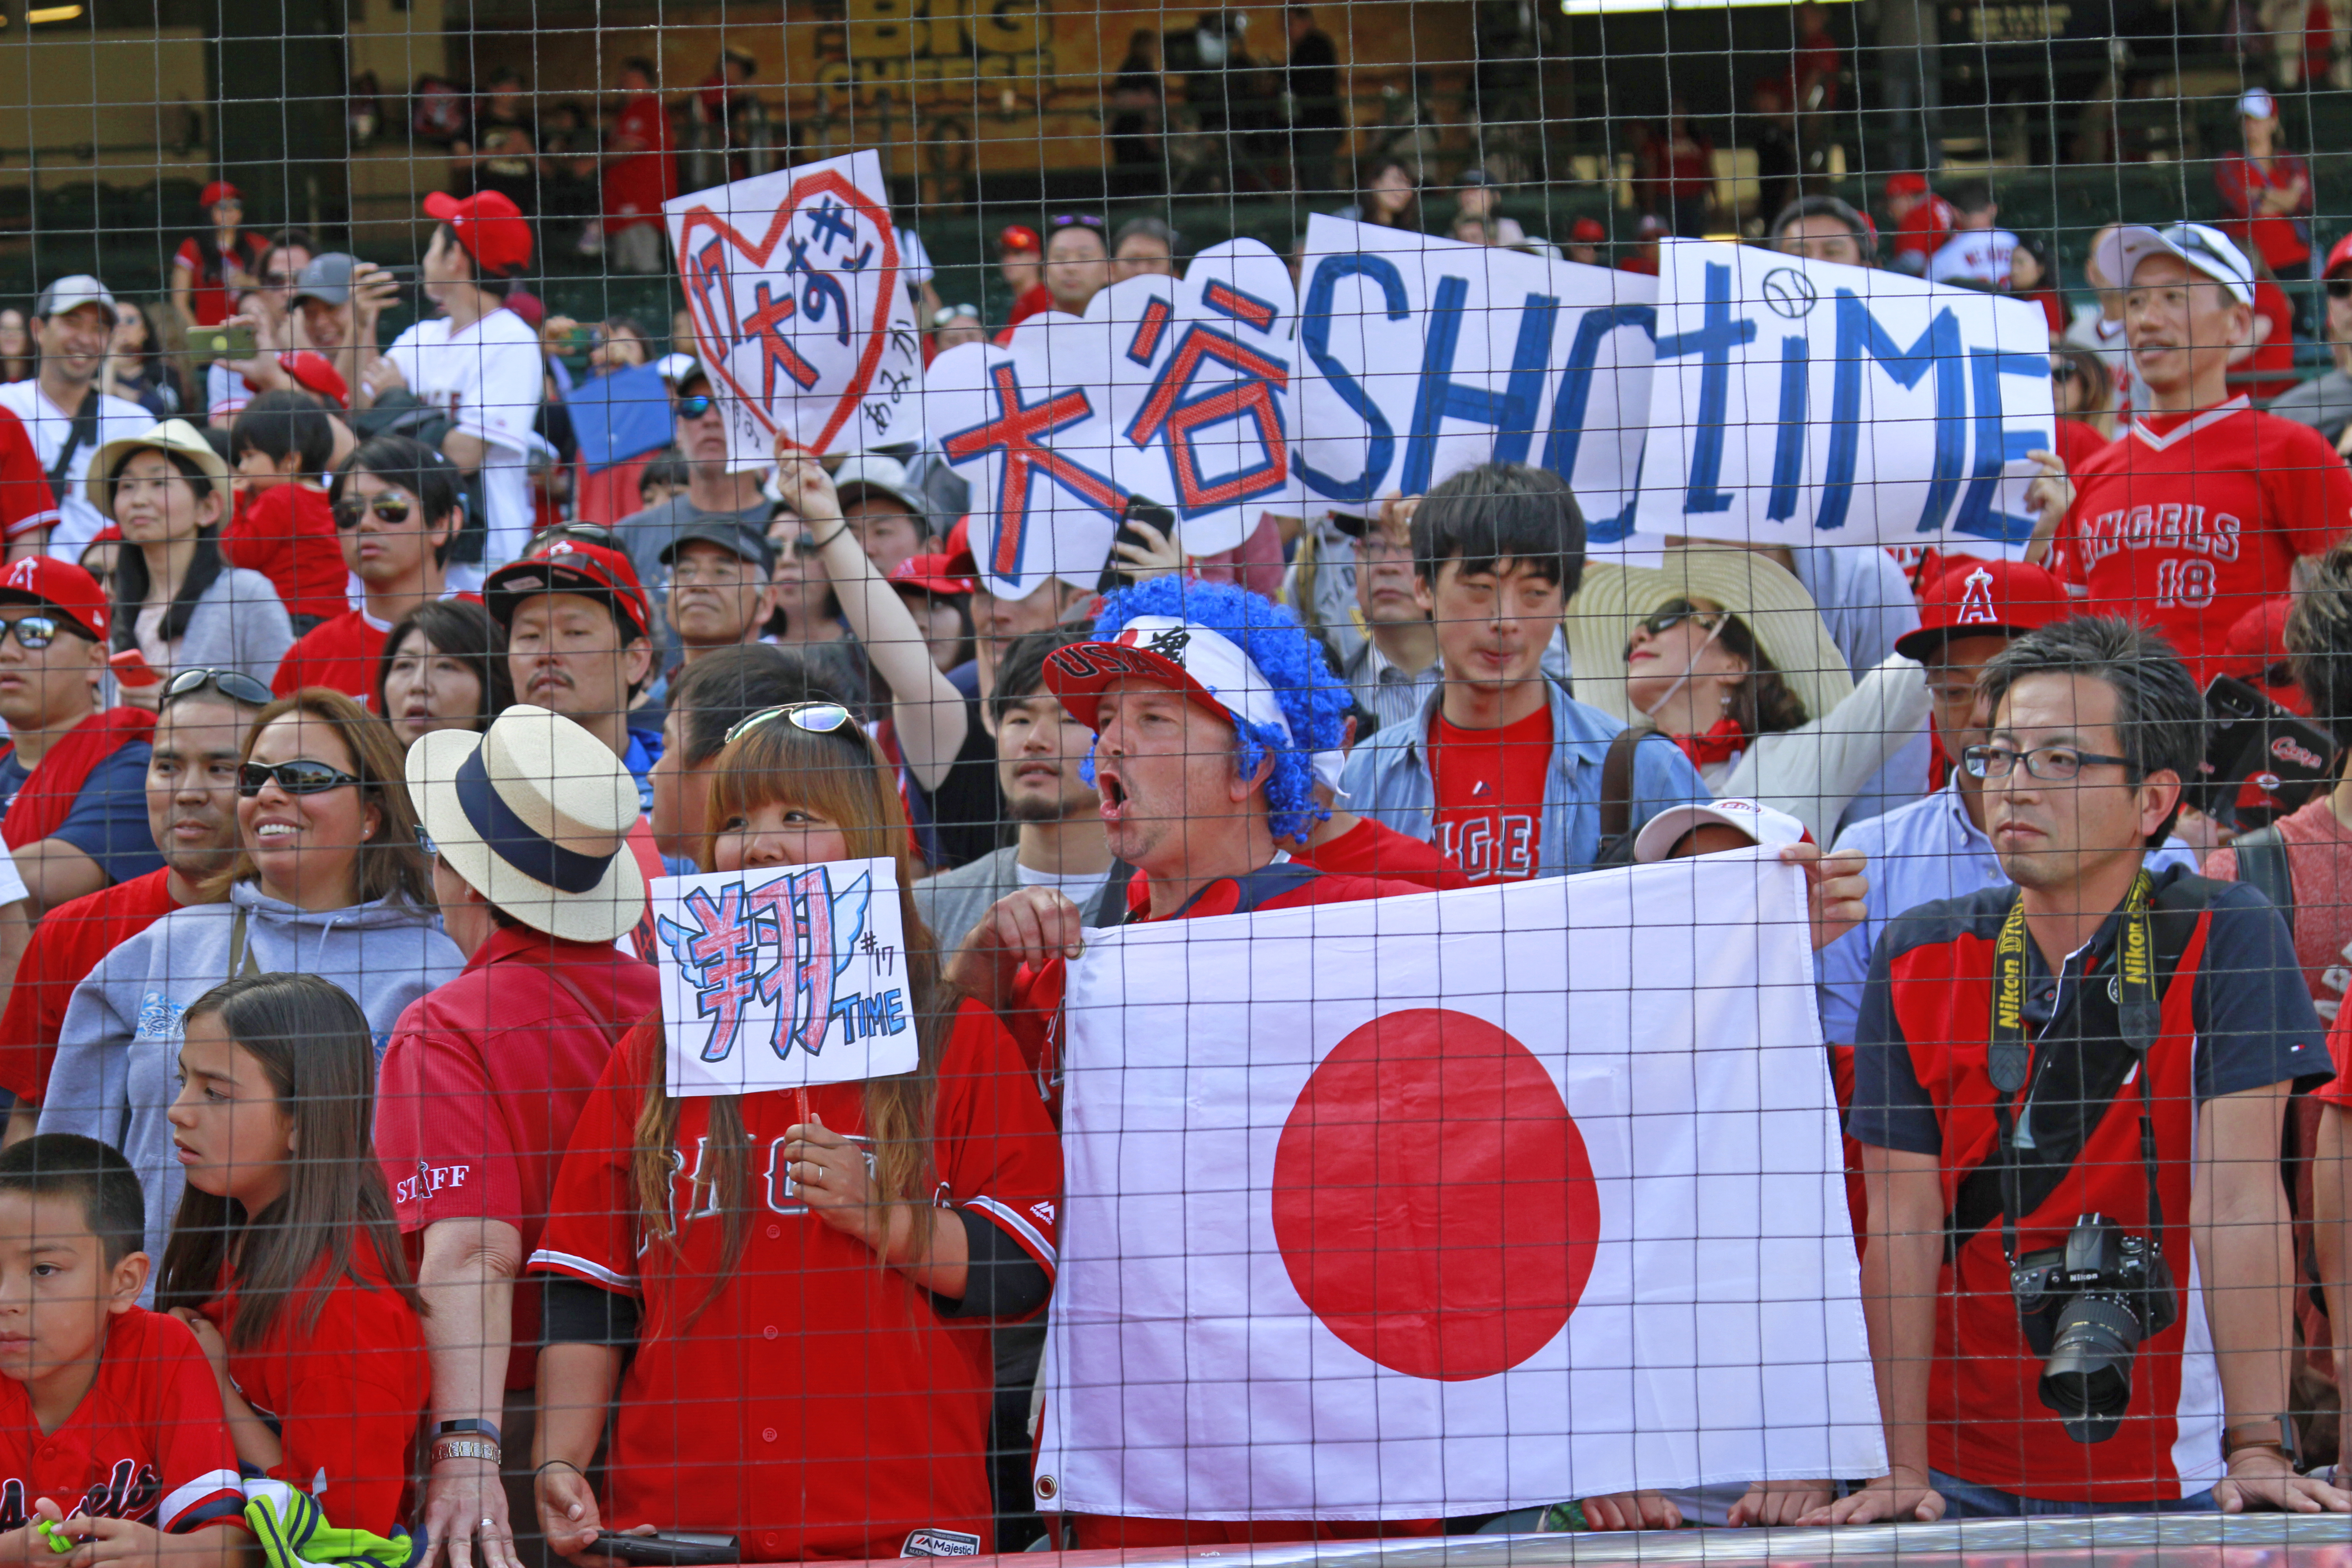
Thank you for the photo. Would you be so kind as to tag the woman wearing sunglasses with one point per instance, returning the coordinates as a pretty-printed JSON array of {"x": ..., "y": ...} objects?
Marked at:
[
  {"x": 176, "y": 602},
  {"x": 329, "y": 881},
  {"x": 1725, "y": 651},
  {"x": 844, "y": 1248},
  {"x": 443, "y": 667}
]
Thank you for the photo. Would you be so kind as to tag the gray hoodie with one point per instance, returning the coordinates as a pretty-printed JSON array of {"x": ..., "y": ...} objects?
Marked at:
[{"x": 118, "y": 1048}]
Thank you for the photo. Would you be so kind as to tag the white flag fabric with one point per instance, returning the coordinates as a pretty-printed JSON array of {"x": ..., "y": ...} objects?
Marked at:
[{"x": 1452, "y": 1203}]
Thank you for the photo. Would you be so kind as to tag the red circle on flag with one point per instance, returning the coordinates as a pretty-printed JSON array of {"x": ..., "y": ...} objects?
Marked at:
[{"x": 1433, "y": 1198}]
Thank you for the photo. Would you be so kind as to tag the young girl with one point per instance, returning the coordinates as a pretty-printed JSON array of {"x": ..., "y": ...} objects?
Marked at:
[
  {"x": 805, "y": 1277},
  {"x": 284, "y": 1259}
]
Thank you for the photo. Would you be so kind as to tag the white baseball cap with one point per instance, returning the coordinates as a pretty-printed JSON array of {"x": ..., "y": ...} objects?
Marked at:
[
  {"x": 2200, "y": 246},
  {"x": 2256, "y": 103},
  {"x": 72, "y": 294},
  {"x": 1760, "y": 823},
  {"x": 1201, "y": 661}
]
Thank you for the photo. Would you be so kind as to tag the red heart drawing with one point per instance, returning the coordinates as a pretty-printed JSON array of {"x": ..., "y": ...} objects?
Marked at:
[{"x": 830, "y": 181}]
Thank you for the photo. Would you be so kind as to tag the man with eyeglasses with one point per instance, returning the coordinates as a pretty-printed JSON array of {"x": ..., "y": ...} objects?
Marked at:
[
  {"x": 199, "y": 738},
  {"x": 64, "y": 412},
  {"x": 2097, "y": 1040},
  {"x": 73, "y": 797},
  {"x": 2198, "y": 511},
  {"x": 718, "y": 593},
  {"x": 2324, "y": 403},
  {"x": 715, "y": 492},
  {"x": 394, "y": 502}
]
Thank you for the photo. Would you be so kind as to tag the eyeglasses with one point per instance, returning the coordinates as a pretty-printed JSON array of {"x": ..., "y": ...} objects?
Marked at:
[
  {"x": 392, "y": 510},
  {"x": 2051, "y": 764},
  {"x": 816, "y": 718},
  {"x": 303, "y": 775},
  {"x": 1067, "y": 219},
  {"x": 33, "y": 633},
  {"x": 694, "y": 408},
  {"x": 234, "y": 685}
]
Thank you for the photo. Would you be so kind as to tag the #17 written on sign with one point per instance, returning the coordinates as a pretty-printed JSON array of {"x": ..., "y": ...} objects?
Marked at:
[{"x": 782, "y": 977}]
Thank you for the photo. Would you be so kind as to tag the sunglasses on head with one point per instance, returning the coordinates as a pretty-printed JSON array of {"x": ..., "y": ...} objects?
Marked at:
[
  {"x": 1066, "y": 220},
  {"x": 234, "y": 685},
  {"x": 941, "y": 318},
  {"x": 694, "y": 408},
  {"x": 33, "y": 633},
  {"x": 390, "y": 510},
  {"x": 816, "y": 718},
  {"x": 303, "y": 775}
]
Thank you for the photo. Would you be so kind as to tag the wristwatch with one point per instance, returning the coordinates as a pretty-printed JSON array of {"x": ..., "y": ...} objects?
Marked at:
[
  {"x": 465, "y": 1449},
  {"x": 2269, "y": 1432}
]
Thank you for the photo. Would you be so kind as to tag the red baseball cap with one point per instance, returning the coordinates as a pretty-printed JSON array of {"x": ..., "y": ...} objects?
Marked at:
[
  {"x": 1587, "y": 231},
  {"x": 1905, "y": 185},
  {"x": 958, "y": 560},
  {"x": 2338, "y": 256},
  {"x": 314, "y": 372},
  {"x": 569, "y": 566},
  {"x": 220, "y": 191},
  {"x": 1018, "y": 237},
  {"x": 529, "y": 306},
  {"x": 932, "y": 574},
  {"x": 58, "y": 586},
  {"x": 2255, "y": 652},
  {"x": 1974, "y": 597},
  {"x": 488, "y": 225}
]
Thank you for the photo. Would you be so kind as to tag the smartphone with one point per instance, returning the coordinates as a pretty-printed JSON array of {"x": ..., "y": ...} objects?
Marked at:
[
  {"x": 1115, "y": 574},
  {"x": 2261, "y": 762},
  {"x": 221, "y": 342},
  {"x": 131, "y": 670},
  {"x": 401, "y": 271},
  {"x": 666, "y": 1549}
]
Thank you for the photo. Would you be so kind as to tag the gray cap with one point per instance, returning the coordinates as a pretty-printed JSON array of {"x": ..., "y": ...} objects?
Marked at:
[
  {"x": 72, "y": 294},
  {"x": 880, "y": 471},
  {"x": 328, "y": 279},
  {"x": 728, "y": 533}
]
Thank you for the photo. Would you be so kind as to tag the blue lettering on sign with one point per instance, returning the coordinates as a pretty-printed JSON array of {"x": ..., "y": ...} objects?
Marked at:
[
  {"x": 1512, "y": 415},
  {"x": 1998, "y": 445},
  {"x": 1938, "y": 350},
  {"x": 1789, "y": 450},
  {"x": 862, "y": 1016},
  {"x": 1718, "y": 335},
  {"x": 1573, "y": 402},
  {"x": 1315, "y": 335}
]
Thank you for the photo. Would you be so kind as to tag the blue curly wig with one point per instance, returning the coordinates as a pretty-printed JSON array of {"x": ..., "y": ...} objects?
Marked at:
[{"x": 1311, "y": 696}]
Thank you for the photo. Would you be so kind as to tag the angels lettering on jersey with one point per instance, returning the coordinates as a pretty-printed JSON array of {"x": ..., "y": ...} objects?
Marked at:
[
  {"x": 694, "y": 1194},
  {"x": 1497, "y": 847},
  {"x": 131, "y": 1491}
]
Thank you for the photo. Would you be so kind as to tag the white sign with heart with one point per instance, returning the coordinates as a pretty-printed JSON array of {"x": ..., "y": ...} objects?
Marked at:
[{"x": 799, "y": 313}]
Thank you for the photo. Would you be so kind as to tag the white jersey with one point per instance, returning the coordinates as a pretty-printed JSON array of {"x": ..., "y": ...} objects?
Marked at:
[
  {"x": 50, "y": 427},
  {"x": 1974, "y": 256},
  {"x": 488, "y": 378}
]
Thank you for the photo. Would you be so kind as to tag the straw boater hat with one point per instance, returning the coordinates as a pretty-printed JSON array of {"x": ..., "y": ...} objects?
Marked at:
[
  {"x": 176, "y": 437},
  {"x": 1770, "y": 603},
  {"x": 535, "y": 816}
]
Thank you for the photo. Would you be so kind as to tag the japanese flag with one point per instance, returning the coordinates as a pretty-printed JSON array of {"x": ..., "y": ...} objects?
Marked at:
[{"x": 1453, "y": 1204}]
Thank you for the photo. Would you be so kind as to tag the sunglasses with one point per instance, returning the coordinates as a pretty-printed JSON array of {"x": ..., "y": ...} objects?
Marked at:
[
  {"x": 2065, "y": 372},
  {"x": 390, "y": 510},
  {"x": 234, "y": 685},
  {"x": 1067, "y": 219},
  {"x": 694, "y": 408},
  {"x": 33, "y": 633},
  {"x": 816, "y": 718},
  {"x": 302, "y": 776},
  {"x": 2340, "y": 288},
  {"x": 1664, "y": 621}
]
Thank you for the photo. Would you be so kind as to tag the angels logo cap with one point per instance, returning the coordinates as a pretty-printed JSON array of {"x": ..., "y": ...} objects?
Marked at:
[{"x": 1200, "y": 661}]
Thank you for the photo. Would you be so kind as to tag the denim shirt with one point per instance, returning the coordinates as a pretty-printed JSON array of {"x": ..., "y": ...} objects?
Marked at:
[{"x": 1388, "y": 779}]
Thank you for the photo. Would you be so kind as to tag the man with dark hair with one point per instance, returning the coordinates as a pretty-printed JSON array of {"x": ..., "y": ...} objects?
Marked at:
[
  {"x": 478, "y": 363},
  {"x": 708, "y": 700},
  {"x": 67, "y": 416},
  {"x": 1977, "y": 252},
  {"x": 1824, "y": 229},
  {"x": 1041, "y": 752},
  {"x": 1501, "y": 768},
  {"x": 394, "y": 507},
  {"x": 2094, "y": 1041},
  {"x": 285, "y": 526},
  {"x": 579, "y": 642}
]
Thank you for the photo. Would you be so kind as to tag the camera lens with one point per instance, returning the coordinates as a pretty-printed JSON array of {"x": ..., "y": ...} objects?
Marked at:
[{"x": 2087, "y": 1378}]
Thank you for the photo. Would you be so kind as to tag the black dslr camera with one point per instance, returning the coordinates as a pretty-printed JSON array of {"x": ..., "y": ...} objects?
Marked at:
[{"x": 2086, "y": 1306}]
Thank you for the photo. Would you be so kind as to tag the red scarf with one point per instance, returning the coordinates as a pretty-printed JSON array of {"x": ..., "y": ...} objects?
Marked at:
[
  {"x": 1721, "y": 743},
  {"x": 47, "y": 796}
]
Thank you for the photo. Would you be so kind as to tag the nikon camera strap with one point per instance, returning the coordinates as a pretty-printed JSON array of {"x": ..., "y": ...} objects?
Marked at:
[{"x": 2010, "y": 1058}]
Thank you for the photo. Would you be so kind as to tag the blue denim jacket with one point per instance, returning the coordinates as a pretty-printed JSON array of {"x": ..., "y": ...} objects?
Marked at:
[{"x": 1388, "y": 779}]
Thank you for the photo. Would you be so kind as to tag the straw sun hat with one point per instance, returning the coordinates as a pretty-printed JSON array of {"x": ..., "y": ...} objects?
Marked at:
[
  {"x": 535, "y": 816},
  {"x": 175, "y": 437},
  {"x": 1769, "y": 600}
]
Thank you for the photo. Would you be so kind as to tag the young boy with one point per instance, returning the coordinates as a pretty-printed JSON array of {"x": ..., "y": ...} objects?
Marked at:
[
  {"x": 110, "y": 1416},
  {"x": 284, "y": 528}
]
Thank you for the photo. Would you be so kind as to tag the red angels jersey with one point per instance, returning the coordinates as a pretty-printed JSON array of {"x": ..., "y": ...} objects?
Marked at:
[
  {"x": 26, "y": 500},
  {"x": 147, "y": 1443},
  {"x": 816, "y": 1403},
  {"x": 2188, "y": 521},
  {"x": 341, "y": 652}
]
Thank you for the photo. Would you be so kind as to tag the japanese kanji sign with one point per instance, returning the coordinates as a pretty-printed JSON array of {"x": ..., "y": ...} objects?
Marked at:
[
  {"x": 784, "y": 976},
  {"x": 792, "y": 279}
]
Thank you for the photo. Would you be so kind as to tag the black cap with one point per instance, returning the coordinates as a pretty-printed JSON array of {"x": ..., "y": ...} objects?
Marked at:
[{"x": 726, "y": 532}]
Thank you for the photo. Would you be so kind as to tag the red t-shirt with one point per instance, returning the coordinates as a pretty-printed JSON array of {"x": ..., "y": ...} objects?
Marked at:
[
  {"x": 636, "y": 183},
  {"x": 67, "y": 945},
  {"x": 287, "y": 534},
  {"x": 2077, "y": 444},
  {"x": 203, "y": 257},
  {"x": 1035, "y": 301},
  {"x": 2281, "y": 240},
  {"x": 483, "y": 1082},
  {"x": 147, "y": 1443},
  {"x": 2189, "y": 520},
  {"x": 818, "y": 1404},
  {"x": 345, "y": 1391},
  {"x": 26, "y": 500},
  {"x": 341, "y": 653},
  {"x": 1373, "y": 848},
  {"x": 1922, "y": 231},
  {"x": 1490, "y": 796}
]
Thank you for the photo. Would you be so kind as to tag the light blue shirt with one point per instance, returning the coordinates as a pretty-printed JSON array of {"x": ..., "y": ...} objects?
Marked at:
[{"x": 1918, "y": 853}]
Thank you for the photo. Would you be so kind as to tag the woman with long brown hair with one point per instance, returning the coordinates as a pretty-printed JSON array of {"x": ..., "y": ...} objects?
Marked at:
[{"x": 799, "y": 1280}]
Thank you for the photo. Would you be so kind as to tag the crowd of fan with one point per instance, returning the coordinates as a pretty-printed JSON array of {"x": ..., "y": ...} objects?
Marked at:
[{"x": 342, "y": 754}]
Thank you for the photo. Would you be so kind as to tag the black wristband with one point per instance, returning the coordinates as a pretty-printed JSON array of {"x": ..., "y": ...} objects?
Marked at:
[{"x": 455, "y": 1428}]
